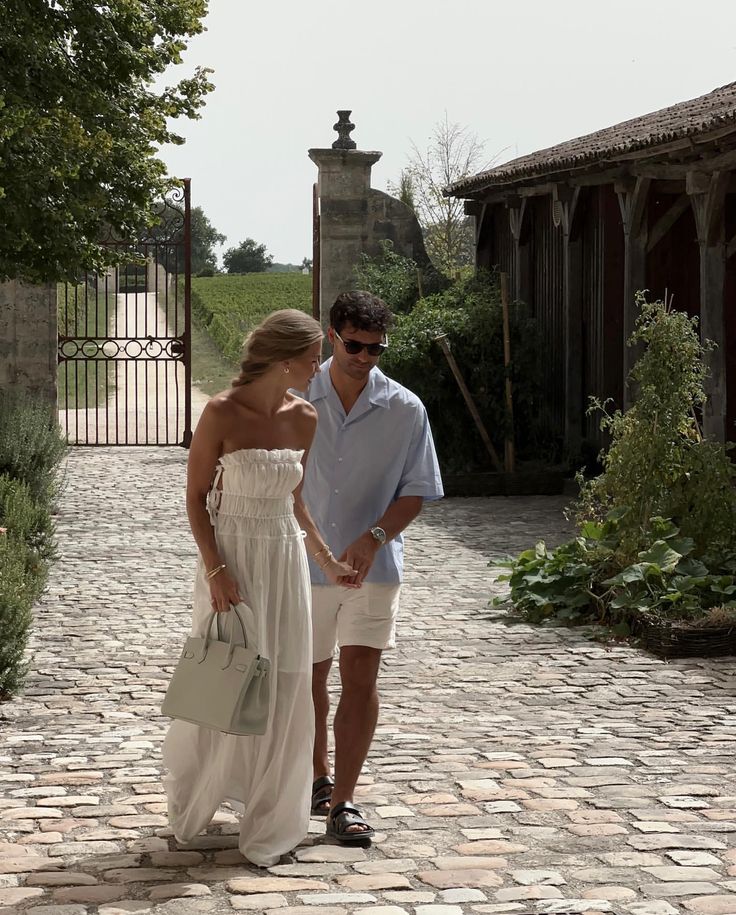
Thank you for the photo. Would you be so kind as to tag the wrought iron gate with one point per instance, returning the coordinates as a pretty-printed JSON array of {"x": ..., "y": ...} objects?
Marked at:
[{"x": 125, "y": 340}]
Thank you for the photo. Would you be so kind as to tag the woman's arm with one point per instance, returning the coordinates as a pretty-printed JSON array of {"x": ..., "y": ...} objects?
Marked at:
[
  {"x": 333, "y": 569},
  {"x": 204, "y": 454}
]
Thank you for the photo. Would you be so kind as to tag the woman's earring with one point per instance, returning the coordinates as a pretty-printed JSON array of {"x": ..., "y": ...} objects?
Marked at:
[{"x": 286, "y": 370}]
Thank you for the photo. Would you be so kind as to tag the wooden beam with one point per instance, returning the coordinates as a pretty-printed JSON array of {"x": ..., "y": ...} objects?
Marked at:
[
  {"x": 572, "y": 295},
  {"x": 607, "y": 176},
  {"x": 480, "y": 215},
  {"x": 667, "y": 220},
  {"x": 731, "y": 248},
  {"x": 699, "y": 160},
  {"x": 632, "y": 198},
  {"x": 707, "y": 193},
  {"x": 516, "y": 221},
  {"x": 516, "y": 218},
  {"x": 539, "y": 190}
]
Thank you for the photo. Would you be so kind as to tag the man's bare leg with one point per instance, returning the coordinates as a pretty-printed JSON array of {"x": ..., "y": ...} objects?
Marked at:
[{"x": 355, "y": 718}]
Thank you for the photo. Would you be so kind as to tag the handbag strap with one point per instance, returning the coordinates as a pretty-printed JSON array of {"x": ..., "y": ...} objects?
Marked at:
[{"x": 208, "y": 637}]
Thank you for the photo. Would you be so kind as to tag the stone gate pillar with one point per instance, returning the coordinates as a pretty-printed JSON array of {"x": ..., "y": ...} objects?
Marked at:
[
  {"x": 343, "y": 191},
  {"x": 28, "y": 339}
]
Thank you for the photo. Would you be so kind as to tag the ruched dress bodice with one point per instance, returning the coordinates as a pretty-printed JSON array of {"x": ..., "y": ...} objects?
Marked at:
[
  {"x": 268, "y": 778},
  {"x": 252, "y": 492}
]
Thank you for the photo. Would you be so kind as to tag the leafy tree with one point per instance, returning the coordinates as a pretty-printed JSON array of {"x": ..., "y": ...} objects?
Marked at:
[
  {"x": 168, "y": 231},
  {"x": 404, "y": 190},
  {"x": 307, "y": 264},
  {"x": 248, "y": 257},
  {"x": 390, "y": 276},
  {"x": 80, "y": 123},
  {"x": 204, "y": 239},
  {"x": 453, "y": 153}
]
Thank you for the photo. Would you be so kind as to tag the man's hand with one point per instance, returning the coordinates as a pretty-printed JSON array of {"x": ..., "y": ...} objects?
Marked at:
[{"x": 360, "y": 555}]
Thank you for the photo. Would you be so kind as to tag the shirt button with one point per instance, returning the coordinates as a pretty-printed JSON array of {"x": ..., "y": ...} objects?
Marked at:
[
  {"x": 339, "y": 460},
  {"x": 337, "y": 491},
  {"x": 333, "y": 524}
]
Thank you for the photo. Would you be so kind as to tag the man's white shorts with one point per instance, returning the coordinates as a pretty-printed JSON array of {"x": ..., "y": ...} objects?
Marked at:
[{"x": 353, "y": 616}]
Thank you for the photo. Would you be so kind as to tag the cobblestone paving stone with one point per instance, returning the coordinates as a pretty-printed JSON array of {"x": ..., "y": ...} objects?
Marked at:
[{"x": 515, "y": 770}]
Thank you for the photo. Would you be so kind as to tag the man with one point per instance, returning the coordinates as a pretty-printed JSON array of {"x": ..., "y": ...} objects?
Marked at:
[{"x": 371, "y": 467}]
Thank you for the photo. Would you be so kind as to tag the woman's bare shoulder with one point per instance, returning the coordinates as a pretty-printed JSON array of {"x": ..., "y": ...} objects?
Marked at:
[
  {"x": 221, "y": 403},
  {"x": 303, "y": 411}
]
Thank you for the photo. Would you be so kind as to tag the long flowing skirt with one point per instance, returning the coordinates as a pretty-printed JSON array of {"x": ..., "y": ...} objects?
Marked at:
[{"x": 266, "y": 778}]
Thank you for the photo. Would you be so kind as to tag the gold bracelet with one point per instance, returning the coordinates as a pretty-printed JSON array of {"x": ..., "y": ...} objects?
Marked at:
[
  {"x": 215, "y": 571},
  {"x": 327, "y": 561},
  {"x": 325, "y": 549}
]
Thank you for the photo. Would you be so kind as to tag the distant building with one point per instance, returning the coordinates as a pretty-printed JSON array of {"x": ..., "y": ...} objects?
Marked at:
[{"x": 580, "y": 227}]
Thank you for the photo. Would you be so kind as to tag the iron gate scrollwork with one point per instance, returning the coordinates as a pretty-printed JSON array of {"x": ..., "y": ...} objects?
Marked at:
[{"x": 125, "y": 339}]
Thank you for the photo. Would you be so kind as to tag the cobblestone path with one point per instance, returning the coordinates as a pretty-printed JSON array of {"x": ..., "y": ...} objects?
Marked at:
[{"x": 514, "y": 770}]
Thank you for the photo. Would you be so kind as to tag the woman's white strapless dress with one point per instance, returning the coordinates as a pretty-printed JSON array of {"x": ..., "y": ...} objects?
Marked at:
[{"x": 267, "y": 779}]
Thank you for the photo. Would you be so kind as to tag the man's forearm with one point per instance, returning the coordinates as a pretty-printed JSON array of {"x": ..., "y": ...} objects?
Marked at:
[{"x": 399, "y": 515}]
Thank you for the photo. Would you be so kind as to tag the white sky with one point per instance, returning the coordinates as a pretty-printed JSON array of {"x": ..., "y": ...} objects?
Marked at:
[{"x": 522, "y": 74}]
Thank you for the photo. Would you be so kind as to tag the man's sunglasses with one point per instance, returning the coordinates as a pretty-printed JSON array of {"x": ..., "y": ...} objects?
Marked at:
[{"x": 353, "y": 347}]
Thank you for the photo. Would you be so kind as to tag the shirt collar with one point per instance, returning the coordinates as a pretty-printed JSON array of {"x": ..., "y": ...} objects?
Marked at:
[{"x": 376, "y": 389}]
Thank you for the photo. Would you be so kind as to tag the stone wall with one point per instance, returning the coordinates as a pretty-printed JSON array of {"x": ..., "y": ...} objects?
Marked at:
[
  {"x": 28, "y": 339},
  {"x": 391, "y": 219}
]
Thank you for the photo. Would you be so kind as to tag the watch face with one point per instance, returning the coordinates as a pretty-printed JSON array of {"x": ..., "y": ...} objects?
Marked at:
[{"x": 379, "y": 534}]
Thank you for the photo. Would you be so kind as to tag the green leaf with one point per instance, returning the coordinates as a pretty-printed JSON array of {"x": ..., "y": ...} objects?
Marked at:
[{"x": 662, "y": 555}]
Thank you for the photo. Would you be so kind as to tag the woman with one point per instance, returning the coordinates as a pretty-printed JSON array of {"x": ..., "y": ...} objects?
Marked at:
[{"x": 250, "y": 525}]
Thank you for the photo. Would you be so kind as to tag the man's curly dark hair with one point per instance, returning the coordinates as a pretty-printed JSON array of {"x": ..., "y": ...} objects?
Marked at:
[{"x": 362, "y": 310}]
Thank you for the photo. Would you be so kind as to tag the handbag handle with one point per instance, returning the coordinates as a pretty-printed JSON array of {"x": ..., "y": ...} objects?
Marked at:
[{"x": 208, "y": 637}]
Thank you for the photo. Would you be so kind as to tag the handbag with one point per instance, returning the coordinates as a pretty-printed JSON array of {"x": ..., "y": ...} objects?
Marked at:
[{"x": 220, "y": 685}]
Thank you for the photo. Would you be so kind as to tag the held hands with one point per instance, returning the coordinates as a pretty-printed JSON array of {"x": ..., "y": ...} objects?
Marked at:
[
  {"x": 336, "y": 571},
  {"x": 223, "y": 591},
  {"x": 360, "y": 555},
  {"x": 339, "y": 573}
]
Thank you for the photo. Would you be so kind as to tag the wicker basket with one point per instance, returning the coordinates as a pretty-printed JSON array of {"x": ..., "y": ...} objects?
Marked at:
[{"x": 673, "y": 639}]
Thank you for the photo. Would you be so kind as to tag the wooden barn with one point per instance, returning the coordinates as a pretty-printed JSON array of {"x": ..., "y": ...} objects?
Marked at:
[{"x": 581, "y": 226}]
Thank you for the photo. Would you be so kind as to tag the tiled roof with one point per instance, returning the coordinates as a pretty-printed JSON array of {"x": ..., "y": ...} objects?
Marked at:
[{"x": 686, "y": 119}]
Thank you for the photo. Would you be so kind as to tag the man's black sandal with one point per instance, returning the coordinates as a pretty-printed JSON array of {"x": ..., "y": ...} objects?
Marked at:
[
  {"x": 322, "y": 795},
  {"x": 341, "y": 818}
]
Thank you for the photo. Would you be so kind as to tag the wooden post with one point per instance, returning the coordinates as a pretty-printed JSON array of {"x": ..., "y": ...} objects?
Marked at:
[
  {"x": 572, "y": 305},
  {"x": 516, "y": 207},
  {"x": 632, "y": 199},
  {"x": 707, "y": 194},
  {"x": 509, "y": 457},
  {"x": 442, "y": 340}
]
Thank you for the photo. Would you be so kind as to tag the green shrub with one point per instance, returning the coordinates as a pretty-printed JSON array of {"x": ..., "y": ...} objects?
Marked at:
[
  {"x": 469, "y": 312},
  {"x": 658, "y": 463},
  {"x": 27, "y": 520},
  {"x": 657, "y": 529},
  {"x": 19, "y": 588},
  {"x": 31, "y": 447},
  {"x": 31, "y": 444},
  {"x": 396, "y": 279}
]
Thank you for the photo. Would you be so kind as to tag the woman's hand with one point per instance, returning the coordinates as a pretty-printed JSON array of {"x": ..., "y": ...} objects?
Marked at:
[
  {"x": 223, "y": 592},
  {"x": 339, "y": 573}
]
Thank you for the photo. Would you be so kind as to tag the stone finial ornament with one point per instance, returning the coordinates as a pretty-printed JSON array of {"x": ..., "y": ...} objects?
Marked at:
[{"x": 343, "y": 128}]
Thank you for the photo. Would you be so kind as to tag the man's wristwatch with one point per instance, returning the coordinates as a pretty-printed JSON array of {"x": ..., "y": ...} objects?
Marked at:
[{"x": 378, "y": 534}]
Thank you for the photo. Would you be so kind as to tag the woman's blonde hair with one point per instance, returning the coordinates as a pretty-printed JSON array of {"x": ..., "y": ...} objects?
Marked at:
[{"x": 285, "y": 334}]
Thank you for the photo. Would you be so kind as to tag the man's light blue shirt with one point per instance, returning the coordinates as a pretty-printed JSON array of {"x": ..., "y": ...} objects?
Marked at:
[{"x": 361, "y": 462}]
